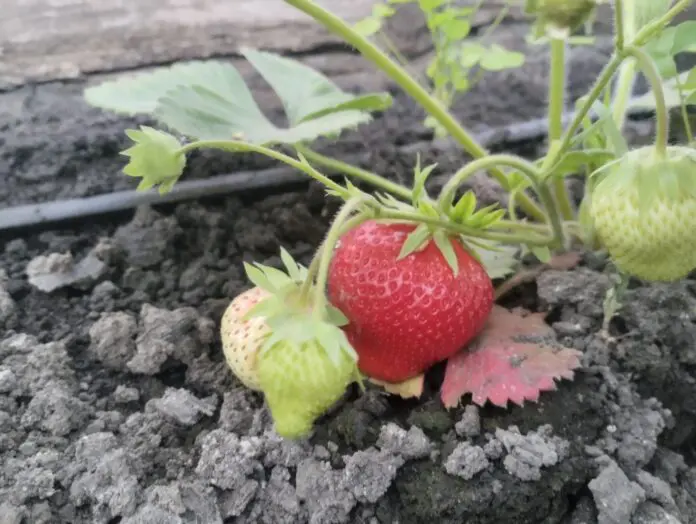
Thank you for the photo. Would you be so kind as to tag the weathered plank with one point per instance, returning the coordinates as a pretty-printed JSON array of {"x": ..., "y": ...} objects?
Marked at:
[
  {"x": 44, "y": 40},
  {"x": 54, "y": 39}
]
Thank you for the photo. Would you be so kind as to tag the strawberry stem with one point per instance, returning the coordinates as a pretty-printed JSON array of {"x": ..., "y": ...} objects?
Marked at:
[
  {"x": 236, "y": 146},
  {"x": 430, "y": 103},
  {"x": 649, "y": 69},
  {"x": 336, "y": 230},
  {"x": 557, "y": 91},
  {"x": 354, "y": 171}
]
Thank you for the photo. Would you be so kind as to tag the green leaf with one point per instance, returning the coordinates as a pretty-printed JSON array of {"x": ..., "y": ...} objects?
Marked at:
[
  {"x": 368, "y": 26},
  {"x": 671, "y": 90},
  {"x": 498, "y": 259},
  {"x": 572, "y": 162},
  {"x": 497, "y": 58},
  {"x": 684, "y": 39},
  {"x": 307, "y": 94},
  {"x": 611, "y": 130},
  {"x": 199, "y": 113},
  {"x": 139, "y": 93},
  {"x": 542, "y": 253},
  {"x": 471, "y": 54},
  {"x": 414, "y": 241},
  {"x": 154, "y": 158},
  {"x": 689, "y": 83},
  {"x": 209, "y": 100},
  {"x": 444, "y": 244}
]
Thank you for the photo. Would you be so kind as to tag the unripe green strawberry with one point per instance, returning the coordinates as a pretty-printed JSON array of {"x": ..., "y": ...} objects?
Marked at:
[
  {"x": 643, "y": 211},
  {"x": 561, "y": 15},
  {"x": 291, "y": 347},
  {"x": 302, "y": 380},
  {"x": 242, "y": 338}
]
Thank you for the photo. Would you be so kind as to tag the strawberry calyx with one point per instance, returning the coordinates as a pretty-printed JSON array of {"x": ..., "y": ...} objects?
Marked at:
[{"x": 560, "y": 18}]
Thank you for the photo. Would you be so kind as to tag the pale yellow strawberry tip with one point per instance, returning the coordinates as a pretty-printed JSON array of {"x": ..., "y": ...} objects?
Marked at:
[{"x": 241, "y": 339}]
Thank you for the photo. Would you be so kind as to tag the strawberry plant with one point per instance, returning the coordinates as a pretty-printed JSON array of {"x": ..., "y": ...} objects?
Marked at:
[{"x": 404, "y": 279}]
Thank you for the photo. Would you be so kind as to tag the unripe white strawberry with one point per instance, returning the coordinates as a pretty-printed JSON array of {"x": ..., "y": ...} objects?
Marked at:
[
  {"x": 242, "y": 338},
  {"x": 643, "y": 211}
]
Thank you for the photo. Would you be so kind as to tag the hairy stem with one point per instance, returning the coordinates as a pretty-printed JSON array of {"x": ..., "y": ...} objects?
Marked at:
[
  {"x": 685, "y": 114},
  {"x": 354, "y": 171},
  {"x": 237, "y": 146},
  {"x": 624, "y": 24},
  {"x": 557, "y": 91},
  {"x": 647, "y": 65},
  {"x": 596, "y": 91},
  {"x": 413, "y": 88},
  {"x": 645, "y": 34},
  {"x": 620, "y": 23},
  {"x": 332, "y": 237},
  {"x": 624, "y": 90}
]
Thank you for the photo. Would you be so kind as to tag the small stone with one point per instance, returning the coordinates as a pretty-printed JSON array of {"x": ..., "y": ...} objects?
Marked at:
[
  {"x": 124, "y": 395},
  {"x": 470, "y": 423},
  {"x": 466, "y": 461},
  {"x": 183, "y": 406},
  {"x": 411, "y": 444},
  {"x": 615, "y": 496},
  {"x": 8, "y": 381},
  {"x": 57, "y": 270}
]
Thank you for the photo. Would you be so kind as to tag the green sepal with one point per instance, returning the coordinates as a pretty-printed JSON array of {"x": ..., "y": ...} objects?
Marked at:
[
  {"x": 298, "y": 330},
  {"x": 542, "y": 253},
  {"x": 499, "y": 260},
  {"x": 415, "y": 241},
  {"x": 572, "y": 162},
  {"x": 155, "y": 157},
  {"x": 420, "y": 176},
  {"x": 464, "y": 207},
  {"x": 444, "y": 244}
]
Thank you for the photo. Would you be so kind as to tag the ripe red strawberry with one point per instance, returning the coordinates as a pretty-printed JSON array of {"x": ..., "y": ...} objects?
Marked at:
[{"x": 405, "y": 315}]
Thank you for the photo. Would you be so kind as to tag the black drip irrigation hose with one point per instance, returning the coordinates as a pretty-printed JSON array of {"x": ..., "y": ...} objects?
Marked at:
[{"x": 30, "y": 215}]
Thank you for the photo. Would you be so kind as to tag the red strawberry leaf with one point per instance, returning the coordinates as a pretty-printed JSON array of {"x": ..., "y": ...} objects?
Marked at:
[{"x": 514, "y": 359}]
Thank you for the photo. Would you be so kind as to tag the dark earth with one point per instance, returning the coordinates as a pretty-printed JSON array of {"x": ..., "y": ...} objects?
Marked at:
[{"x": 116, "y": 405}]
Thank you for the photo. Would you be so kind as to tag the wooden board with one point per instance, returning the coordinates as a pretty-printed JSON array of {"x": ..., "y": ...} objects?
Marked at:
[{"x": 45, "y": 40}]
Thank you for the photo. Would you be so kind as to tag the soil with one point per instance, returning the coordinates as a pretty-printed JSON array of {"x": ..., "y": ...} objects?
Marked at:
[{"x": 116, "y": 405}]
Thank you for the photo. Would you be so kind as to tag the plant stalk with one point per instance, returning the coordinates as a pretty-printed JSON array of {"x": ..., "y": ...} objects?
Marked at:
[
  {"x": 557, "y": 91},
  {"x": 649, "y": 69},
  {"x": 354, "y": 171},
  {"x": 326, "y": 253},
  {"x": 397, "y": 73},
  {"x": 237, "y": 146}
]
